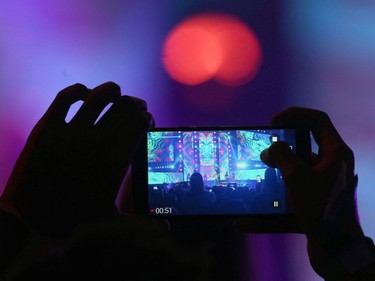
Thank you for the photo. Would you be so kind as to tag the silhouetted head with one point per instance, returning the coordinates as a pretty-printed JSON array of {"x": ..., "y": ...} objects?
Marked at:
[{"x": 196, "y": 182}]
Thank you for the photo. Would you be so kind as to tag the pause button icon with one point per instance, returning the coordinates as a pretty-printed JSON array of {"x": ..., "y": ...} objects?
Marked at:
[{"x": 276, "y": 203}]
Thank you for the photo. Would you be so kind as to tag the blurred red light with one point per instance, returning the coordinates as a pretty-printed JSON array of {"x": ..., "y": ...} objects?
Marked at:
[
  {"x": 212, "y": 46},
  {"x": 191, "y": 55}
]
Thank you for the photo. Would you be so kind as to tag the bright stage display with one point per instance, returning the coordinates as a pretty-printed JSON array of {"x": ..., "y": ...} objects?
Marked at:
[
  {"x": 232, "y": 179},
  {"x": 218, "y": 155}
]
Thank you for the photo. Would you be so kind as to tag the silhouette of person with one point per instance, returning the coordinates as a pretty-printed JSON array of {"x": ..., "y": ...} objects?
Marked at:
[
  {"x": 262, "y": 201},
  {"x": 197, "y": 201}
]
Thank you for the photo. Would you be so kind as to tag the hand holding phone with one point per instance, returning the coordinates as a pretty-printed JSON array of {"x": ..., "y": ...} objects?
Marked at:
[
  {"x": 70, "y": 172},
  {"x": 311, "y": 185}
]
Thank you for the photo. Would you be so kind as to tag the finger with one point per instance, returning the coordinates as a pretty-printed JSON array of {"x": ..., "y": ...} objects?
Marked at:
[
  {"x": 296, "y": 174},
  {"x": 331, "y": 145},
  {"x": 120, "y": 131},
  {"x": 308, "y": 193},
  {"x": 127, "y": 135},
  {"x": 317, "y": 121},
  {"x": 120, "y": 144},
  {"x": 96, "y": 101},
  {"x": 65, "y": 98},
  {"x": 125, "y": 123},
  {"x": 279, "y": 155},
  {"x": 124, "y": 108}
]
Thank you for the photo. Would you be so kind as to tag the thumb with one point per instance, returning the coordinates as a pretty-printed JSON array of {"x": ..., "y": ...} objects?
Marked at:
[
  {"x": 300, "y": 183},
  {"x": 280, "y": 155}
]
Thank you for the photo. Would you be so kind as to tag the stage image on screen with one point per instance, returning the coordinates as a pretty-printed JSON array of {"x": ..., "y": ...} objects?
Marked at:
[{"x": 214, "y": 172}]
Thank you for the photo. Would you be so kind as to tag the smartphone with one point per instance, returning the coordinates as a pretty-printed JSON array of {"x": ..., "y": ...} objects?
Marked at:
[{"x": 212, "y": 171}]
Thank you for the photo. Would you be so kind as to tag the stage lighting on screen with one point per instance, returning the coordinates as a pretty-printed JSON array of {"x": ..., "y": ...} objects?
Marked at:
[{"x": 241, "y": 165}]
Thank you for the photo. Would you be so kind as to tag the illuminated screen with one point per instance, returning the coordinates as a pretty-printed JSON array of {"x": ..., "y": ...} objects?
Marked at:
[{"x": 232, "y": 179}]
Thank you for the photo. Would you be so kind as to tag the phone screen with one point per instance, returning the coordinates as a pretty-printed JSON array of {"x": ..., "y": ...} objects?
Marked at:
[{"x": 208, "y": 171}]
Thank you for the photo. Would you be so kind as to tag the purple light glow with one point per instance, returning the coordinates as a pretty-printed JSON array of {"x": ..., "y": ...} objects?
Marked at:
[
  {"x": 46, "y": 46},
  {"x": 331, "y": 68},
  {"x": 284, "y": 256}
]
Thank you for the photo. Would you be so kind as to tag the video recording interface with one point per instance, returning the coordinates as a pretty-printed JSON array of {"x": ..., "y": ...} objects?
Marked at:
[{"x": 214, "y": 172}]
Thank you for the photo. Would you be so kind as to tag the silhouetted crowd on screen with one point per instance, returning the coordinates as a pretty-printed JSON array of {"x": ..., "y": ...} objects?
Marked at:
[{"x": 196, "y": 198}]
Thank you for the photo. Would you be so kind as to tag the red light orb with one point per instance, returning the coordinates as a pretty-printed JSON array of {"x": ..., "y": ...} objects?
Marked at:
[
  {"x": 192, "y": 55},
  {"x": 212, "y": 46}
]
